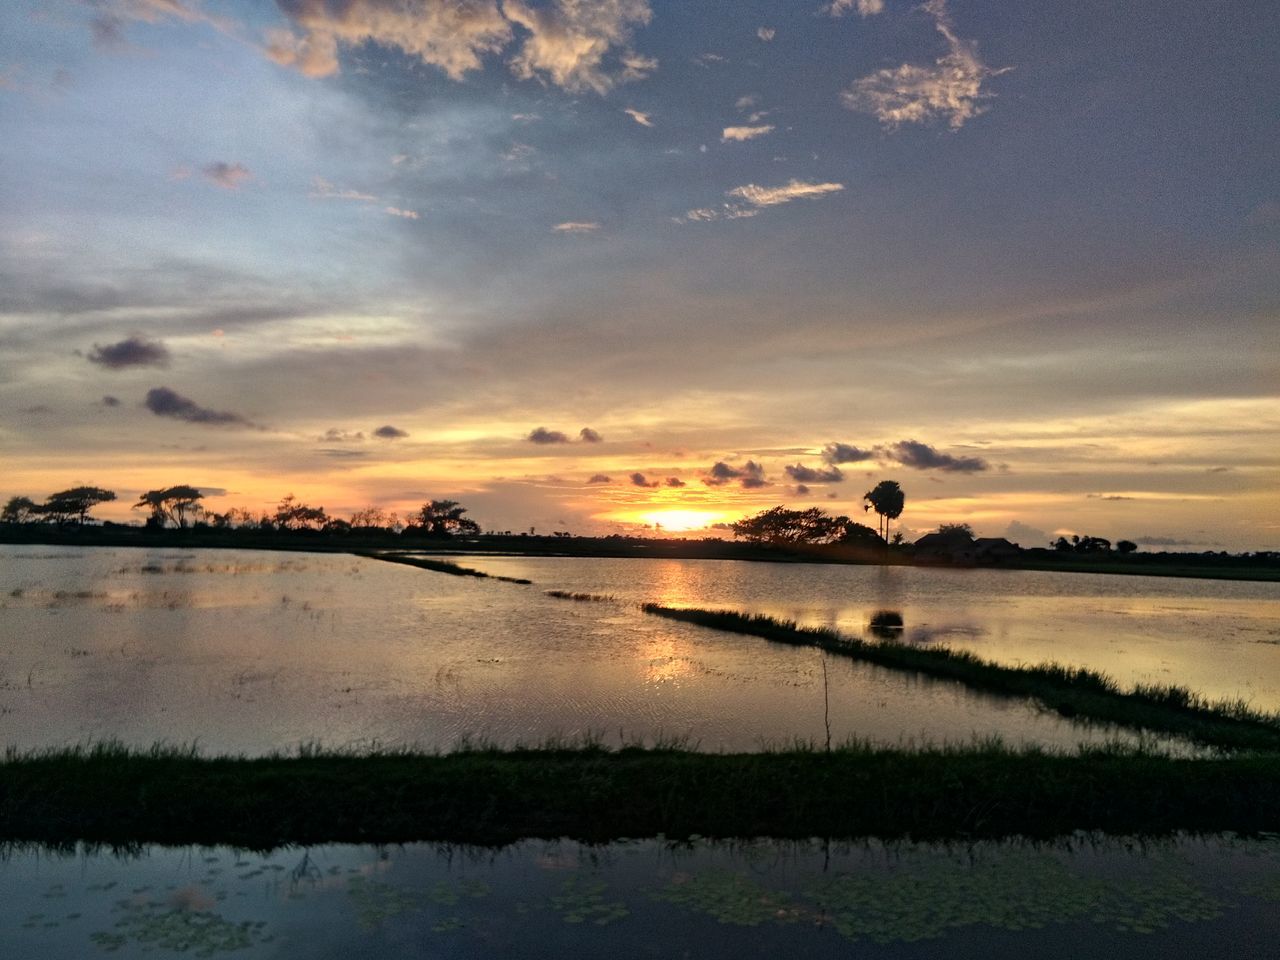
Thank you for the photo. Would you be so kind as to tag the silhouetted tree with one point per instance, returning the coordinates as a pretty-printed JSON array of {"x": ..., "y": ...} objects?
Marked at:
[
  {"x": 19, "y": 510},
  {"x": 782, "y": 526},
  {"x": 888, "y": 500},
  {"x": 1126, "y": 546},
  {"x": 171, "y": 504},
  {"x": 292, "y": 515},
  {"x": 442, "y": 518},
  {"x": 956, "y": 528},
  {"x": 66, "y": 506}
]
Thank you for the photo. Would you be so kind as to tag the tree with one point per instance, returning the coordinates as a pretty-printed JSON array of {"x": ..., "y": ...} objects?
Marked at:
[
  {"x": 19, "y": 510},
  {"x": 66, "y": 506},
  {"x": 1126, "y": 546},
  {"x": 782, "y": 526},
  {"x": 171, "y": 504},
  {"x": 442, "y": 518},
  {"x": 888, "y": 500},
  {"x": 957, "y": 529},
  {"x": 292, "y": 515}
]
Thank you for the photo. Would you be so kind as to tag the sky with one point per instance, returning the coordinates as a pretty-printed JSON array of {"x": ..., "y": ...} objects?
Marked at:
[{"x": 604, "y": 266}]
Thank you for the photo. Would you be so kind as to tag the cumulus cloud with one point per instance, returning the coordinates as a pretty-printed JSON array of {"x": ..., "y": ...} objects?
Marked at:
[
  {"x": 389, "y": 432},
  {"x": 587, "y": 435},
  {"x": 802, "y": 490},
  {"x": 640, "y": 480},
  {"x": 750, "y": 475},
  {"x": 110, "y": 401},
  {"x": 950, "y": 88},
  {"x": 228, "y": 176},
  {"x": 397, "y": 212},
  {"x": 543, "y": 435},
  {"x": 644, "y": 119},
  {"x": 576, "y": 226},
  {"x": 334, "y": 435},
  {"x": 164, "y": 402},
  {"x": 569, "y": 42},
  {"x": 675, "y": 482},
  {"x": 921, "y": 456},
  {"x": 802, "y": 474},
  {"x": 742, "y": 134},
  {"x": 865, "y": 8},
  {"x": 834, "y": 453},
  {"x": 766, "y": 33},
  {"x": 600, "y": 478},
  {"x": 131, "y": 352},
  {"x": 1025, "y": 535},
  {"x": 452, "y": 35}
]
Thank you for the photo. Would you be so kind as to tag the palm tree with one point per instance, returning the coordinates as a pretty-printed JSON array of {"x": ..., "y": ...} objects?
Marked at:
[{"x": 887, "y": 499}]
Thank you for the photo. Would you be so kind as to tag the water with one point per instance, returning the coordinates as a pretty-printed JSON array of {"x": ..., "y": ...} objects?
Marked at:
[
  {"x": 1086, "y": 896},
  {"x": 1219, "y": 637},
  {"x": 243, "y": 651}
]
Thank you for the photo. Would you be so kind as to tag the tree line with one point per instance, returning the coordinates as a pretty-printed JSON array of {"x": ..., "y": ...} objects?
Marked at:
[{"x": 179, "y": 507}]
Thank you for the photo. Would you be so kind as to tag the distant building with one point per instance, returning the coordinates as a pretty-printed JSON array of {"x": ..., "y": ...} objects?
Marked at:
[{"x": 993, "y": 548}]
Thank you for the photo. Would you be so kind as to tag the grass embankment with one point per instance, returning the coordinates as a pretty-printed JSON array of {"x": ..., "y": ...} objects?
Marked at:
[
  {"x": 114, "y": 796},
  {"x": 439, "y": 566},
  {"x": 582, "y": 597},
  {"x": 1071, "y": 691}
]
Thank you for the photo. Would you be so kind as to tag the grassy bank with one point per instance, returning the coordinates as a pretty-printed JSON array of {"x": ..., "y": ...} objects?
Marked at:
[
  {"x": 111, "y": 795},
  {"x": 439, "y": 566},
  {"x": 1070, "y": 691}
]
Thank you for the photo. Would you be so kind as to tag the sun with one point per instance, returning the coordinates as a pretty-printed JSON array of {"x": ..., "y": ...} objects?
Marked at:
[{"x": 681, "y": 521}]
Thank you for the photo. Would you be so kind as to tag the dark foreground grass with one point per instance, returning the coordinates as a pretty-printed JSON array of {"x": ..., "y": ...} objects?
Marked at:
[
  {"x": 582, "y": 597},
  {"x": 1070, "y": 691},
  {"x": 439, "y": 566},
  {"x": 110, "y": 795}
]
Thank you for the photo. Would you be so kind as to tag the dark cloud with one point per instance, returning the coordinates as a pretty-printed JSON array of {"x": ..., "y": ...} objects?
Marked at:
[
  {"x": 164, "y": 402},
  {"x": 389, "y": 432},
  {"x": 750, "y": 474},
  {"x": 334, "y": 435},
  {"x": 131, "y": 352},
  {"x": 1219, "y": 469},
  {"x": 675, "y": 482},
  {"x": 110, "y": 401},
  {"x": 587, "y": 435},
  {"x": 640, "y": 480},
  {"x": 229, "y": 176},
  {"x": 1110, "y": 496},
  {"x": 339, "y": 454},
  {"x": 834, "y": 453},
  {"x": 107, "y": 31},
  {"x": 801, "y": 490},
  {"x": 543, "y": 435},
  {"x": 1025, "y": 535},
  {"x": 802, "y": 474},
  {"x": 600, "y": 478},
  {"x": 921, "y": 456}
]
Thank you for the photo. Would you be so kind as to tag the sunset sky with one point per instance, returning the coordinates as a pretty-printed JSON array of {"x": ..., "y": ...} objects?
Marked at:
[{"x": 588, "y": 266}]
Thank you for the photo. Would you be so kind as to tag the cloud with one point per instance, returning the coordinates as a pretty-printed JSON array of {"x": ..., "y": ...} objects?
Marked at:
[
  {"x": 452, "y": 35},
  {"x": 742, "y": 134},
  {"x": 1024, "y": 535},
  {"x": 834, "y": 453},
  {"x": 746, "y": 101},
  {"x": 228, "y": 176},
  {"x": 950, "y": 88},
  {"x": 568, "y": 42},
  {"x": 164, "y": 402},
  {"x": 397, "y": 212},
  {"x": 750, "y": 475},
  {"x": 600, "y": 478},
  {"x": 1150, "y": 541},
  {"x": 640, "y": 480},
  {"x": 921, "y": 456},
  {"x": 322, "y": 189},
  {"x": 802, "y": 474},
  {"x": 644, "y": 119},
  {"x": 751, "y": 198},
  {"x": 865, "y": 8},
  {"x": 543, "y": 435},
  {"x": 1107, "y": 496},
  {"x": 334, "y": 435},
  {"x": 389, "y": 432},
  {"x": 110, "y": 401},
  {"x": 587, "y": 435},
  {"x": 766, "y": 33},
  {"x": 574, "y": 226},
  {"x": 675, "y": 482},
  {"x": 131, "y": 352},
  {"x": 802, "y": 490}
]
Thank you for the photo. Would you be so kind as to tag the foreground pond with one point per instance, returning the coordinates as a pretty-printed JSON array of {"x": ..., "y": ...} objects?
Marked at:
[
  {"x": 254, "y": 651},
  {"x": 1218, "y": 637},
  {"x": 1083, "y": 897}
]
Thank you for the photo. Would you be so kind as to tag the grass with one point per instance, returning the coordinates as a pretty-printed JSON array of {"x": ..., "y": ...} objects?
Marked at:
[
  {"x": 582, "y": 597},
  {"x": 113, "y": 795},
  {"x": 1070, "y": 691},
  {"x": 439, "y": 566}
]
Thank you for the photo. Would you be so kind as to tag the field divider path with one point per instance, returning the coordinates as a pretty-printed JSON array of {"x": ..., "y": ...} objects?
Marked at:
[{"x": 1070, "y": 691}]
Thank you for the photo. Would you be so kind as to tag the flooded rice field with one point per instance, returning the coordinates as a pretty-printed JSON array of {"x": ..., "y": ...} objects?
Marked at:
[
  {"x": 246, "y": 651},
  {"x": 1083, "y": 896}
]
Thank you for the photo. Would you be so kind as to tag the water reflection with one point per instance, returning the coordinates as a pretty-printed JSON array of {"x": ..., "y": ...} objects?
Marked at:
[
  {"x": 1083, "y": 895},
  {"x": 886, "y": 624}
]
